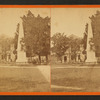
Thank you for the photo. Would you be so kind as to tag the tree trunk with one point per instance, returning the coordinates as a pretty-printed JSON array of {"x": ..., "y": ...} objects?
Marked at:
[
  {"x": 39, "y": 59},
  {"x": 31, "y": 59},
  {"x": 46, "y": 59},
  {"x": 61, "y": 60}
]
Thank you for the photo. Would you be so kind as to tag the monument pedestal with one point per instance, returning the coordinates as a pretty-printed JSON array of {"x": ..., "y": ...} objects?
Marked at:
[
  {"x": 91, "y": 57},
  {"x": 21, "y": 57}
]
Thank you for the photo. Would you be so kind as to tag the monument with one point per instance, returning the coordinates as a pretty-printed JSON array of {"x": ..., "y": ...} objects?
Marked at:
[
  {"x": 91, "y": 58},
  {"x": 21, "y": 54}
]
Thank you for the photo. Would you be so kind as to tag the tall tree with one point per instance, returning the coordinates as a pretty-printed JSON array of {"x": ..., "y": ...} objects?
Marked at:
[
  {"x": 84, "y": 40},
  {"x": 60, "y": 44},
  {"x": 96, "y": 31},
  {"x": 74, "y": 43},
  {"x": 5, "y": 44},
  {"x": 37, "y": 35},
  {"x": 15, "y": 40}
]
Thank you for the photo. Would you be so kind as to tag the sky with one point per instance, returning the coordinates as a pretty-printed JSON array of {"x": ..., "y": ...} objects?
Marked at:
[
  {"x": 70, "y": 20},
  {"x": 63, "y": 20},
  {"x": 10, "y": 17}
]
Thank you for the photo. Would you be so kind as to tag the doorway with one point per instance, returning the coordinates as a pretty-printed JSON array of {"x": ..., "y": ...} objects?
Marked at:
[{"x": 65, "y": 58}]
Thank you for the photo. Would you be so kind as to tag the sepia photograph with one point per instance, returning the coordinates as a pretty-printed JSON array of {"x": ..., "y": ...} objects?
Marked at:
[
  {"x": 75, "y": 49},
  {"x": 49, "y": 50},
  {"x": 25, "y": 49}
]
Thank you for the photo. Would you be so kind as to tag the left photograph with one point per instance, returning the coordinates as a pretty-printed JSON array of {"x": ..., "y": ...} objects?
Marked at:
[{"x": 25, "y": 49}]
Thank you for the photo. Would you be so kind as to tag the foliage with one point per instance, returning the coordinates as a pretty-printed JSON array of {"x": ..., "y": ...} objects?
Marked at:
[
  {"x": 74, "y": 43},
  {"x": 37, "y": 34},
  {"x": 84, "y": 40},
  {"x": 15, "y": 40},
  {"x": 61, "y": 43},
  {"x": 95, "y": 19},
  {"x": 5, "y": 44}
]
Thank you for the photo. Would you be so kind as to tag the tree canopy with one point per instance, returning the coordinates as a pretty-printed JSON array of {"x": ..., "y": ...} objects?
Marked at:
[
  {"x": 95, "y": 21},
  {"x": 61, "y": 43},
  {"x": 37, "y": 34},
  {"x": 5, "y": 44}
]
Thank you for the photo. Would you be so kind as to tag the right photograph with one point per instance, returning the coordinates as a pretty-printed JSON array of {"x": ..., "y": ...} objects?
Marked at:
[{"x": 75, "y": 49}]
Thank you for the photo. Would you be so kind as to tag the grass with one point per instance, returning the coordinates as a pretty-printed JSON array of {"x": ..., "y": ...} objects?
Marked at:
[
  {"x": 22, "y": 80},
  {"x": 75, "y": 64},
  {"x": 86, "y": 78}
]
